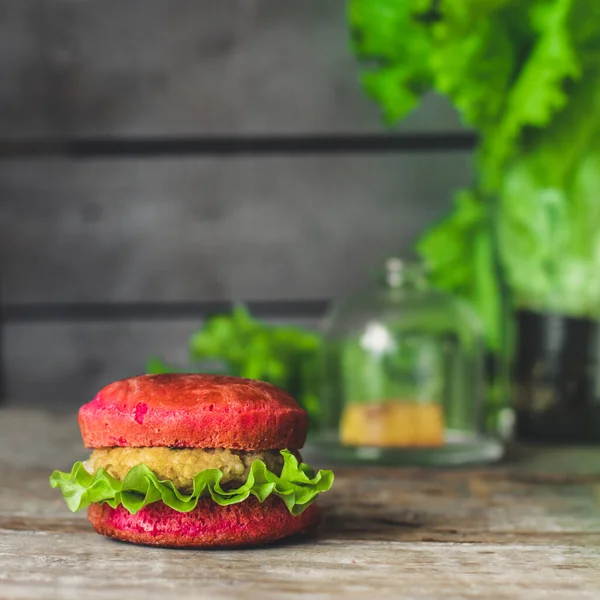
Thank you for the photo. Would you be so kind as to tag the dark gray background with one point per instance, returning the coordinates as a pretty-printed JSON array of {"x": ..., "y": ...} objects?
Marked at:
[{"x": 189, "y": 228}]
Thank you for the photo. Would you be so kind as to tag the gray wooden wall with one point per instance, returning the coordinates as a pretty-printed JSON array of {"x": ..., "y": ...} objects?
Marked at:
[{"x": 115, "y": 229}]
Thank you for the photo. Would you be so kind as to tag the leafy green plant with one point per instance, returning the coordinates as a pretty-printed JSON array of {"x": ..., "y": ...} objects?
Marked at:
[
  {"x": 526, "y": 77},
  {"x": 237, "y": 344}
]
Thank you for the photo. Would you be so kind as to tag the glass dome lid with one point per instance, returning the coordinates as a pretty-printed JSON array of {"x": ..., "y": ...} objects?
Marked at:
[{"x": 403, "y": 375}]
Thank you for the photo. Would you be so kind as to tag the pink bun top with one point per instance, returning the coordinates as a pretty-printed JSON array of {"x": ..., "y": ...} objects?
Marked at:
[{"x": 193, "y": 411}]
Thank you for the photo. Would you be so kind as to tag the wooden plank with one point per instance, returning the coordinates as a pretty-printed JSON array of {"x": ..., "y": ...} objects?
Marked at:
[
  {"x": 417, "y": 534},
  {"x": 61, "y": 365},
  {"x": 72, "y": 362},
  {"x": 103, "y": 67},
  {"x": 70, "y": 565},
  {"x": 26, "y": 102},
  {"x": 244, "y": 228}
]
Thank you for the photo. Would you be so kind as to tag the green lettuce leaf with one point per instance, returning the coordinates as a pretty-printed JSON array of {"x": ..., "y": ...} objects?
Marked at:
[
  {"x": 297, "y": 486},
  {"x": 548, "y": 223},
  {"x": 525, "y": 76},
  {"x": 393, "y": 42},
  {"x": 460, "y": 256},
  {"x": 474, "y": 55},
  {"x": 539, "y": 91}
]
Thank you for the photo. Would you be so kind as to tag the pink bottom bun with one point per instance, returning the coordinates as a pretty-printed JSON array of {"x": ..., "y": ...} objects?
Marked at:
[{"x": 209, "y": 525}]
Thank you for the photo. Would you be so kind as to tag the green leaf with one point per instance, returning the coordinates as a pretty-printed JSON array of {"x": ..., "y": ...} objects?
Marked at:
[
  {"x": 474, "y": 56},
  {"x": 157, "y": 366},
  {"x": 526, "y": 76},
  {"x": 459, "y": 253},
  {"x": 393, "y": 41},
  {"x": 550, "y": 215},
  {"x": 504, "y": 64},
  {"x": 297, "y": 486},
  {"x": 539, "y": 90}
]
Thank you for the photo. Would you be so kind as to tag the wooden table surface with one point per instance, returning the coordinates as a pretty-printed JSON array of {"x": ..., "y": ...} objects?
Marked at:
[{"x": 528, "y": 528}]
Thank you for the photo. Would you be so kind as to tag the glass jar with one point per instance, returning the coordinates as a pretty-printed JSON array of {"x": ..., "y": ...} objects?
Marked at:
[{"x": 403, "y": 376}]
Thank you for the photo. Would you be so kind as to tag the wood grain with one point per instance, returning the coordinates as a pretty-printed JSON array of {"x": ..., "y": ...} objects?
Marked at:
[
  {"x": 104, "y": 67},
  {"x": 521, "y": 530},
  {"x": 168, "y": 229}
]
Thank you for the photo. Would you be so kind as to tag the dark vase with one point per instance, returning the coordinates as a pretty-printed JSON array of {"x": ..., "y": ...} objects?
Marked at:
[{"x": 557, "y": 378}]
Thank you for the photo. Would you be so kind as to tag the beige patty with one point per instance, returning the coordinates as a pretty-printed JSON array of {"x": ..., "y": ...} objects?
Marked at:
[{"x": 181, "y": 465}]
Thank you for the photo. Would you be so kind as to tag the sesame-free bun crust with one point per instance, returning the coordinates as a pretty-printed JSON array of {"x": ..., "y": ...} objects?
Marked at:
[
  {"x": 248, "y": 523},
  {"x": 193, "y": 411}
]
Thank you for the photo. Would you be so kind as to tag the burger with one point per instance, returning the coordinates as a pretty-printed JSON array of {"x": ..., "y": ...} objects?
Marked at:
[{"x": 188, "y": 460}]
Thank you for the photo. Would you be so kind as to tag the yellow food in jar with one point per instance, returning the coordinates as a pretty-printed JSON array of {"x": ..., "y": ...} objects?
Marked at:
[{"x": 393, "y": 424}]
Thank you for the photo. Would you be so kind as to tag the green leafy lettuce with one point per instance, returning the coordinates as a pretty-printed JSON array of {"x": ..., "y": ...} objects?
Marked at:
[
  {"x": 297, "y": 486},
  {"x": 390, "y": 36},
  {"x": 524, "y": 76}
]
